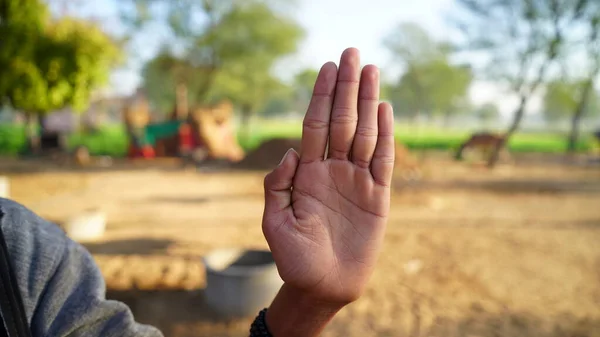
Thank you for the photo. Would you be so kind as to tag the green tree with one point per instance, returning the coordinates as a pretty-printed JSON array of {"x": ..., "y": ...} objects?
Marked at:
[
  {"x": 246, "y": 42},
  {"x": 280, "y": 101},
  {"x": 560, "y": 100},
  {"x": 233, "y": 55},
  {"x": 165, "y": 72},
  {"x": 304, "y": 82},
  {"x": 21, "y": 24},
  {"x": 430, "y": 85},
  {"x": 588, "y": 15},
  {"x": 520, "y": 41},
  {"x": 57, "y": 64},
  {"x": 185, "y": 21},
  {"x": 488, "y": 113}
]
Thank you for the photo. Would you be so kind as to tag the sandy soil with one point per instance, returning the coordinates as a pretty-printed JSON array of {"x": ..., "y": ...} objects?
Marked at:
[{"x": 514, "y": 252}]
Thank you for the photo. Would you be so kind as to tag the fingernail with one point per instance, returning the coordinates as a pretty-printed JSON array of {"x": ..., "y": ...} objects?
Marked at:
[{"x": 285, "y": 156}]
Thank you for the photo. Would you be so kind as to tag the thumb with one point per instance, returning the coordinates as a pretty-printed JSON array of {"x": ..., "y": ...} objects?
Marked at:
[{"x": 278, "y": 183}]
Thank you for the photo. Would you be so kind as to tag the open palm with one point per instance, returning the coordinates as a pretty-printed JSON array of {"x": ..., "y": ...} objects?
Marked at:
[{"x": 326, "y": 209}]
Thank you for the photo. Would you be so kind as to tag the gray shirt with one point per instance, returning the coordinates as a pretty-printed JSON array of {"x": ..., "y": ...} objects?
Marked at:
[{"x": 62, "y": 288}]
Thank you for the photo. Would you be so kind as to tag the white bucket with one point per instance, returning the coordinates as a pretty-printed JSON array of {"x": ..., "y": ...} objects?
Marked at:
[
  {"x": 239, "y": 283},
  {"x": 87, "y": 226},
  {"x": 4, "y": 187}
]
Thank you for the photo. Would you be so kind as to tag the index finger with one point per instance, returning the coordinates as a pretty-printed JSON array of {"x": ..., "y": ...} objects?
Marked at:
[
  {"x": 315, "y": 128},
  {"x": 382, "y": 165}
]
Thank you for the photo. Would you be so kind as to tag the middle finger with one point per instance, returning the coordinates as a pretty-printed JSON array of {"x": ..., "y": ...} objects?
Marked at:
[{"x": 345, "y": 106}]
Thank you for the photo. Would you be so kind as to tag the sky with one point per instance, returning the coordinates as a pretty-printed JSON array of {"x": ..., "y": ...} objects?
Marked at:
[{"x": 331, "y": 26}]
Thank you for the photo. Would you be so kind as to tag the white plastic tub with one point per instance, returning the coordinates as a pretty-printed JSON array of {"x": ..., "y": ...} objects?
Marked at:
[
  {"x": 87, "y": 226},
  {"x": 239, "y": 283}
]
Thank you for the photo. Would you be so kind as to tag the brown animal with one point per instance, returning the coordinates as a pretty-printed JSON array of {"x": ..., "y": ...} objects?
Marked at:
[{"x": 484, "y": 142}]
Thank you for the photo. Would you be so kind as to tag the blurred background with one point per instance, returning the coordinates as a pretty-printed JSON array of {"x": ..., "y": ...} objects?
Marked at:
[{"x": 144, "y": 129}]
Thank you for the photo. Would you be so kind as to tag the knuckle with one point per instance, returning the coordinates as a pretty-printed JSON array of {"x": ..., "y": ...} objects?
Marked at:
[
  {"x": 383, "y": 182},
  {"x": 362, "y": 162},
  {"x": 337, "y": 153},
  {"x": 349, "y": 81},
  {"x": 366, "y": 98},
  {"x": 385, "y": 134},
  {"x": 314, "y": 124},
  {"x": 322, "y": 95},
  {"x": 366, "y": 131},
  {"x": 384, "y": 158},
  {"x": 343, "y": 110},
  {"x": 344, "y": 115},
  {"x": 268, "y": 180}
]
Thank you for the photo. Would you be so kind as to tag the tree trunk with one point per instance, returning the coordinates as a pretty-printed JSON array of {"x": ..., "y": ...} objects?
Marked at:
[
  {"x": 246, "y": 114},
  {"x": 32, "y": 134},
  {"x": 446, "y": 120},
  {"x": 181, "y": 104},
  {"x": 579, "y": 112},
  {"x": 42, "y": 123},
  {"x": 517, "y": 118}
]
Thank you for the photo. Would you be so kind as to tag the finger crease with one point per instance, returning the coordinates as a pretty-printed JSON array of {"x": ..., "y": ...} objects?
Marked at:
[
  {"x": 315, "y": 124},
  {"x": 322, "y": 95},
  {"x": 308, "y": 195},
  {"x": 356, "y": 205},
  {"x": 349, "y": 81},
  {"x": 362, "y": 163},
  {"x": 365, "y": 131}
]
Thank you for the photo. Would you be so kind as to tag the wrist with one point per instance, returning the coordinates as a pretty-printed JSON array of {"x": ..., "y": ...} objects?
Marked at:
[{"x": 295, "y": 312}]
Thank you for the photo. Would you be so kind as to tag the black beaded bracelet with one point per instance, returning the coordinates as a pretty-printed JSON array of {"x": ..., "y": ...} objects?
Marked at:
[{"x": 259, "y": 326}]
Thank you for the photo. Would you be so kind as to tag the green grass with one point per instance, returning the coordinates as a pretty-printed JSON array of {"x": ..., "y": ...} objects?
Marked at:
[
  {"x": 429, "y": 138},
  {"x": 12, "y": 139},
  {"x": 110, "y": 141},
  {"x": 113, "y": 141}
]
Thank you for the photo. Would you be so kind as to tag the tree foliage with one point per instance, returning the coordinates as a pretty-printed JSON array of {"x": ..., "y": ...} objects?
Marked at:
[
  {"x": 50, "y": 64},
  {"x": 164, "y": 72},
  {"x": 521, "y": 42},
  {"x": 409, "y": 43},
  {"x": 562, "y": 98},
  {"x": 588, "y": 18},
  {"x": 303, "y": 85},
  {"x": 186, "y": 20},
  {"x": 246, "y": 44},
  {"x": 431, "y": 84},
  {"x": 488, "y": 113},
  {"x": 519, "y": 39},
  {"x": 231, "y": 57},
  {"x": 21, "y": 24},
  {"x": 304, "y": 81}
]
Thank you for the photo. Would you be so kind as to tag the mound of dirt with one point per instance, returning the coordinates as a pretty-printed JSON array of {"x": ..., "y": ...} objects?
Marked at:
[{"x": 268, "y": 155}]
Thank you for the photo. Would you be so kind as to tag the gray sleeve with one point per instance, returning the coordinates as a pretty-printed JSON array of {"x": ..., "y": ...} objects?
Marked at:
[{"x": 62, "y": 288}]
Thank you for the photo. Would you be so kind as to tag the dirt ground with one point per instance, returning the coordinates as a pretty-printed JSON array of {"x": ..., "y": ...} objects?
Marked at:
[{"x": 468, "y": 252}]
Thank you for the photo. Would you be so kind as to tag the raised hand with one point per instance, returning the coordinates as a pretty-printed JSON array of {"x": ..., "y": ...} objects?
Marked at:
[{"x": 326, "y": 209}]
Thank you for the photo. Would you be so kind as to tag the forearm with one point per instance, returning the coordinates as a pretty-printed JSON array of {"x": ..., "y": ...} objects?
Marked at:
[{"x": 293, "y": 313}]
